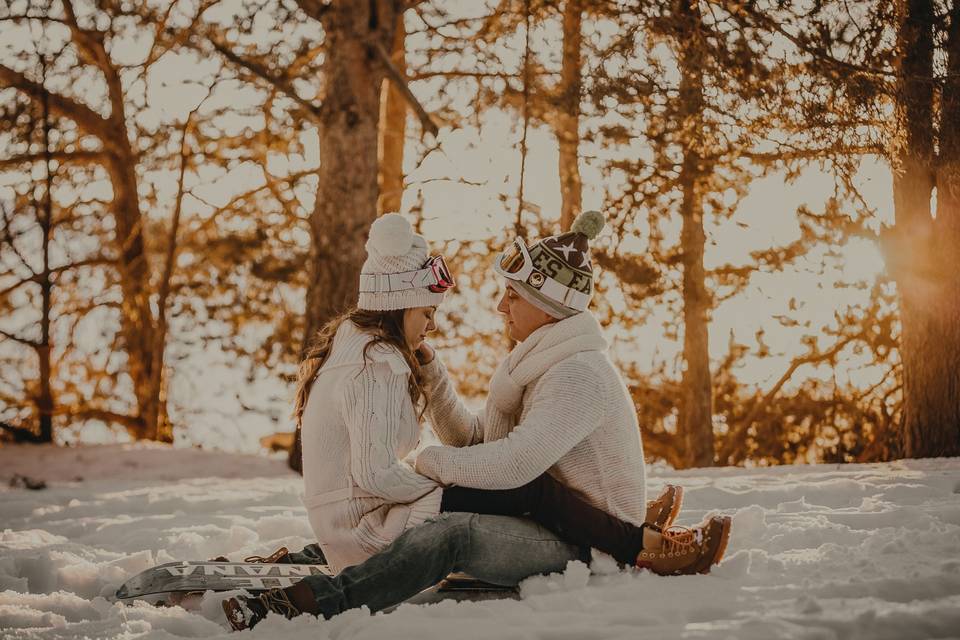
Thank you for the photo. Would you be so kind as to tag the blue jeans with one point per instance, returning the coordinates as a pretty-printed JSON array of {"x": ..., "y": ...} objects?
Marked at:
[
  {"x": 310, "y": 554},
  {"x": 501, "y": 550}
]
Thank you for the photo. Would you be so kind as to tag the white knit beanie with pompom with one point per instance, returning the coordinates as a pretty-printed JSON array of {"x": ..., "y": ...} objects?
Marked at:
[{"x": 393, "y": 247}]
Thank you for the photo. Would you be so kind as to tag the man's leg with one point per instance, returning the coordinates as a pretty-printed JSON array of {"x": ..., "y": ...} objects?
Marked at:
[
  {"x": 549, "y": 502},
  {"x": 497, "y": 549}
]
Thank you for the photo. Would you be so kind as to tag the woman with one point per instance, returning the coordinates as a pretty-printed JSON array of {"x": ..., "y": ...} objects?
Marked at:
[{"x": 358, "y": 392}]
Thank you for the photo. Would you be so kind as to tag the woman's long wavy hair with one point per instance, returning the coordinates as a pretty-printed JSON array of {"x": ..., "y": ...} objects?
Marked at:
[{"x": 386, "y": 327}]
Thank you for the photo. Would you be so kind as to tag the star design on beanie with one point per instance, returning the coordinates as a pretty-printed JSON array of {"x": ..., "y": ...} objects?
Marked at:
[{"x": 567, "y": 249}]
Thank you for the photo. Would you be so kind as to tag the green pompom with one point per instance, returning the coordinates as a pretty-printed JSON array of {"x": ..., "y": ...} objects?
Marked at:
[{"x": 589, "y": 223}]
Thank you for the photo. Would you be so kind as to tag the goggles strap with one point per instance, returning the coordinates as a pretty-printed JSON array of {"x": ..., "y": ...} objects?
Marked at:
[
  {"x": 564, "y": 295},
  {"x": 387, "y": 282}
]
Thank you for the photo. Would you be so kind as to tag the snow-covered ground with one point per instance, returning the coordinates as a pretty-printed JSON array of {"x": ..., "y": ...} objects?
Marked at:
[{"x": 855, "y": 551}]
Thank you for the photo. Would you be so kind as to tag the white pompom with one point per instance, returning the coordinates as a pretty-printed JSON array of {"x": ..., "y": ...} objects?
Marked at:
[{"x": 390, "y": 235}]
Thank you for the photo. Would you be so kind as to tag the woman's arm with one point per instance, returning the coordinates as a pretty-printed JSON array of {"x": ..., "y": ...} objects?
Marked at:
[
  {"x": 453, "y": 423},
  {"x": 372, "y": 404}
]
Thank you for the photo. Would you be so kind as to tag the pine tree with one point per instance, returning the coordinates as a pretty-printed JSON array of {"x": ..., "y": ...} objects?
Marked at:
[{"x": 924, "y": 245}]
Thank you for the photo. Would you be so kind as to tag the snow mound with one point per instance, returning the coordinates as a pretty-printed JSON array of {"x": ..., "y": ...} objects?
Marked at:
[{"x": 855, "y": 551}]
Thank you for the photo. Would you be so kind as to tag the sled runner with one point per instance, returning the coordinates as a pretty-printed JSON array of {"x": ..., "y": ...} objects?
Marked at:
[
  {"x": 175, "y": 582},
  {"x": 159, "y": 583}
]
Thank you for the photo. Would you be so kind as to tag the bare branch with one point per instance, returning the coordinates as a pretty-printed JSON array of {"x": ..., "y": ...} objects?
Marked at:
[
  {"x": 283, "y": 84},
  {"x": 85, "y": 117},
  {"x": 735, "y": 435},
  {"x": 134, "y": 423},
  {"x": 15, "y": 338},
  {"x": 73, "y": 157},
  {"x": 36, "y": 277},
  {"x": 401, "y": 84}
]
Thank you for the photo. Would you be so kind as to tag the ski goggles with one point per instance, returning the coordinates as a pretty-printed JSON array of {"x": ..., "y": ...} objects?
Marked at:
[
  {"x": 434, "y": 275},
  {"x": 515, "y": 263}
]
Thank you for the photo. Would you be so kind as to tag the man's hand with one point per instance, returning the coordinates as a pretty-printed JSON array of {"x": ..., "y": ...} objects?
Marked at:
[{"x": 425, "y": 353}]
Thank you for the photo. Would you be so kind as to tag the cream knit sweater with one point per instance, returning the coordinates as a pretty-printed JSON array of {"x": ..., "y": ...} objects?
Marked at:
[
  {"x": 358, "y": 427},
  {"x": 573, "y": 418}
]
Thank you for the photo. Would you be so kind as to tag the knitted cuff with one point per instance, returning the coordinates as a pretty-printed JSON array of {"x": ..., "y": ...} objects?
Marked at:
[
  {"x": 428, "y": 464},
  {"x": 433, "y": 369},
  {"x": 425, "y": 508}
]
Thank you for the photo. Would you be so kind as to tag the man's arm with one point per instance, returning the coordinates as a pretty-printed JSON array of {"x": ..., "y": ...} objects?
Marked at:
[
  {"x": 453, "y": 423},
  {"x": 567, "y": 407}
]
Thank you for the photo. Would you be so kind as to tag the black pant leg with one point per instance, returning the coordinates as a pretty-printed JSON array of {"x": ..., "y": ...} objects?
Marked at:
[{"x": 559, "y": 509}]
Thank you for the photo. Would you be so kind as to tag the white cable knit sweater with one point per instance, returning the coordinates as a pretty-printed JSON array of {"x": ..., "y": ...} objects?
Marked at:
[
  {"x": 556, "y": 404},
  {"x": 358, "y": 426}
]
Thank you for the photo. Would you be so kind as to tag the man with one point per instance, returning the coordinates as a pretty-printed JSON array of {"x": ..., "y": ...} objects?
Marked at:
[{"x": 556, "y": 405}]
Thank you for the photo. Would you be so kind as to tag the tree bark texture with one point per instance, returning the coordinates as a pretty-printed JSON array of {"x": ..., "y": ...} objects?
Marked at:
[
  {"x": 45, "y": 399},
  {"x": 924, "y": 258},
  {"x": 696, "y": 407},
  {"x": 393, "y": 130},
  {"x": 568, "y": 117},
  {"x": 137, "y": 322},
  {"x": 347, "y": 191}
]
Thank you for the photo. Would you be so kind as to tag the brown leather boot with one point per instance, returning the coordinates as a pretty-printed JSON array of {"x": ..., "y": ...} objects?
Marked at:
[
  {"x": 244, "y": 612},
  {"x": 688, "y": 551},
  {"x": 663, "y": 510}
]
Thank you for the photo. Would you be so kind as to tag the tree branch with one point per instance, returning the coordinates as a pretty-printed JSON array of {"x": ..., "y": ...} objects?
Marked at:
[
  {"x": 134, "y": 423},
  {"x": 79, "y": 157},
  {"x": 401, "y": 84},
  {"x": 733, "y": 437},
  {"x": 747, "y": 10},
  {"x": 85, "y": 117},
  {"x": 15, "y": 338},
  {"x": 262, "y": 72}
]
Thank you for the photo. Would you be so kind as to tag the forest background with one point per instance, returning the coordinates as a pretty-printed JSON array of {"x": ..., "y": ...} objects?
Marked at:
[{"x": 186, "y": 188}]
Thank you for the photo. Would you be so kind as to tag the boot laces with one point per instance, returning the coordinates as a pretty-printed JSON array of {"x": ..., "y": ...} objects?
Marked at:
[
  {"x": 277, "y": 601},
  {"x": 679, "y": 540}
]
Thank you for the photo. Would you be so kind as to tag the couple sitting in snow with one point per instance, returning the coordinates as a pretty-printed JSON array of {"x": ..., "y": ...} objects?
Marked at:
[{"x": 550, "y": 468}]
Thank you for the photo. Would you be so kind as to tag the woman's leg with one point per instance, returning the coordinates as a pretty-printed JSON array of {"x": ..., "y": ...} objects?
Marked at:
[{"x": 559, "y": 509}]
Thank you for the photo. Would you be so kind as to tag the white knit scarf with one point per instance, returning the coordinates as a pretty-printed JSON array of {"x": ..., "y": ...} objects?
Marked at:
[{"x": 529, "y": 360}]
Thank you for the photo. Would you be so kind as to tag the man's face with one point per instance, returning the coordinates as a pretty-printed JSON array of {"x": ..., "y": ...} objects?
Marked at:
[{"x": 522, "y": 317}]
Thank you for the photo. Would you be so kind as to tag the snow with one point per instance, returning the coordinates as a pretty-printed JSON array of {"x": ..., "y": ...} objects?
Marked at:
[{"x": 851, "y": 551}]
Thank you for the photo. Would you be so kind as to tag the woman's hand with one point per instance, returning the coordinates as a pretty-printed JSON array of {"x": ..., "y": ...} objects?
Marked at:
[{"x": 425, "y": 353}]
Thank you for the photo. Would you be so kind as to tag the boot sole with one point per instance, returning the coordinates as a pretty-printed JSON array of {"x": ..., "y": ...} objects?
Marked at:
[
  {"x": 722, "y": 548},
  {"x": 675, "y": 507},
  {"x": 230, "y": 610},
  {"x": 675, "y": 504}
]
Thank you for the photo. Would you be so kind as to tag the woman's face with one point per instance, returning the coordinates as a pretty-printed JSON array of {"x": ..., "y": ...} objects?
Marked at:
[{"x": 417, "y": 323}]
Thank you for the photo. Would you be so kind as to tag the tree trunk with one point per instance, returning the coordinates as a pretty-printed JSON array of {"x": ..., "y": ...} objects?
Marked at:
[
  {"x": 45, "y": 401},
  {"x": 568, "y": 118},
  {"x": 136, "y": 319},
  {"x": 926, "y": 259},
  {"x": 393, "y": 130},
  {"x": 696, "y": 411},
  {"x": 347, "y": 192}
]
